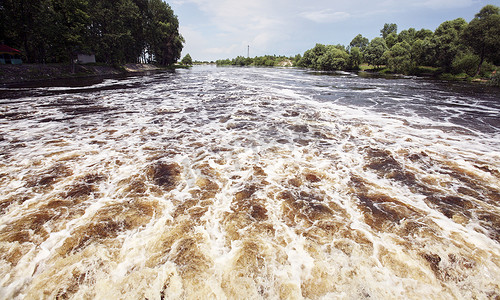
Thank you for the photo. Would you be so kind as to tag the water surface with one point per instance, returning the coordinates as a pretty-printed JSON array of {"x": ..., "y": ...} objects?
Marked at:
[{"x": 250, "y": 183}]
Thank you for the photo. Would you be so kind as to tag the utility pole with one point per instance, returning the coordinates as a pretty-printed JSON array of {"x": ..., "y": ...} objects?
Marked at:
[{"x": 248, "y": 52}]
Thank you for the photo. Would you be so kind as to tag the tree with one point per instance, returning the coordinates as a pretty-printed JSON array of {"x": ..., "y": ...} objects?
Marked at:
[
  {"x": 307, "y": 60},
  {"x": 25, "y": 24},
  {"x": 311, "y": 56},
  {"x": 332, "y": 59},
  {"x": 399, "y": 58},
  {"x": 423, "y": 34},
  {"x": 391, "y": 39},
  {"x": 355, "y": 58},
  {"x": 375, "y": 51},
  {"x": 447, "y": 43},
  {"x": 388, "y": 29},
  {"x": 296, "y": 59},
  {"x": 465, "y": 62},
  {"x": 164, "y": 42},
  {"x": 483, "y": 35},
  {"x": 421, "y": 51},
  {"x": 360, "y": 42},
  {"x": 407, "y": 35},
  {"x": 117, "y": 31},
  {"x": 186, "y": 60},
  {"x": 326, "y": 58},
  {"x": 69, "y": 22}
]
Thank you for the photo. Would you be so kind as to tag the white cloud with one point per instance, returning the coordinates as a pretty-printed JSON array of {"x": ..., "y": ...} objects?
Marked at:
[
  {"x": 222, "y": 50},
  {"x": 196, "y": 41},
  {"x": 326, "y": 16},
  {"x": 238, "y": 23},
  {"x": 437, "y": 4}
]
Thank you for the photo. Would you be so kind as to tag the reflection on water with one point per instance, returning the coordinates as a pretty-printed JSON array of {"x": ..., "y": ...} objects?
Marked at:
[{"x": 250, "y": 183}]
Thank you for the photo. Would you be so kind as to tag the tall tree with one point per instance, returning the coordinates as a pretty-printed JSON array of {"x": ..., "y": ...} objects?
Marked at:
[
  {"x": 67, "y": 29},
  {"x": 374, "y": 53},
  {"x": 116, "y": 30},
  {"x": 388, "y": 29},
  {"x": 483, "y": 35},
  {"x": 163, "y": 38},
  {"x": 407, "y": 35},
  {"x": 24, "y": 23},
  {"x": 447, "y": 42},
  {"x": 423, "y": 33},
  {"x": 187, "y": 60},
  {"x": 399, "y": 58},
  {"x": 421, "y": 51},
  {"x": 360, "y": 42},
  {"x": 355, "y": 58},
  {"x": 391, "y": 39},
  {"x": 333, "y": 59}
]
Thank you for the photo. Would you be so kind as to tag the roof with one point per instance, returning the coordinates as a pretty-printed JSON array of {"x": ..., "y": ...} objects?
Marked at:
[{"x": 5, "y": 48}]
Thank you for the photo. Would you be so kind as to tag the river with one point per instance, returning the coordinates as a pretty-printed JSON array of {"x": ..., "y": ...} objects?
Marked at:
[{"x": 250, "y": 183}]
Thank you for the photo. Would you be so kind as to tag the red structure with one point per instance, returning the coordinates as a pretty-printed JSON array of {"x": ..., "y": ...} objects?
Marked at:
[{"x": 10, "y": 55}]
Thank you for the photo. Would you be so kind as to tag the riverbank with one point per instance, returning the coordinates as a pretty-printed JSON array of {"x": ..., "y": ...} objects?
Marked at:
[
  {"x": 433, "y": 72},
  {"x": 35, "y": 72}
]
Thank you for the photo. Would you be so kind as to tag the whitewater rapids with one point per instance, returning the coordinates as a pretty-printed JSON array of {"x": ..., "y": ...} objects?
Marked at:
[{"x": 250, "y": 183}]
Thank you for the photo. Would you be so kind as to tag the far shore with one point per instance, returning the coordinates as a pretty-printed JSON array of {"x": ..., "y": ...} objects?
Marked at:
[
  {"x": 32, "y": 73},
  {"x": 12, "y": 74}
]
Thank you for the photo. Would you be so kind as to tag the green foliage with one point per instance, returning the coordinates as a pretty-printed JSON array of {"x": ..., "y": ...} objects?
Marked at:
[
  {"x": 296, "y": 59},
  {"x": 483, "y": 35},
  {"x": 421, "y": 51},
  {"x": 399, "y": 58},
  {"x": 261, "y": 61},
  {"x": 242, "y": 61},
  {"x": 117, "y": 31},
  {"x": 388, "y": 29},
  {"x": 265, "y": 61},
  {"x": 308, "y": 59},
  {"x": 311, "y": 56},
  {"x": 465, "y": 62},
  {"x": 375, "y": 51},
  {"x": 360, "y": 42},
  {"x": 355, "y": 58},
  {"x": 325, "y": 58},
  {"x": 333, "y": 59},
  {"x": 447, "y": 44},
  {"x": 223, "y": 62},
  {"x": 187, "y": 60},
  {"x": 495, "y": 79},
  {"x": 391, "y": 40},
  {"x": 408, "y": 35},
  {"x": 163, "y": 39}
]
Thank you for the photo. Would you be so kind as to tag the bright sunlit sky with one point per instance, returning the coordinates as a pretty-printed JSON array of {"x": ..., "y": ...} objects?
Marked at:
[{"x": 218, "y": 29}]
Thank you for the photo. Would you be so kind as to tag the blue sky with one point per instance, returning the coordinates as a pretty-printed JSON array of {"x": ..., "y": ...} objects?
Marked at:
[{"x": 217, "y": 29}]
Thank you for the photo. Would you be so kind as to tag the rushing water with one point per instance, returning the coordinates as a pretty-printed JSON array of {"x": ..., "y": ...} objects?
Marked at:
[{"x": 246, "y": 183}]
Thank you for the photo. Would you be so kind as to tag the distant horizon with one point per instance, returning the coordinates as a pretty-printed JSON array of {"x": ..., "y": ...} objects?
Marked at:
[{"x": 220, "y": 29}]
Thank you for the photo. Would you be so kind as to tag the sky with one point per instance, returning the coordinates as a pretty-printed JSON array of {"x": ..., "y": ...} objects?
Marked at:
[{"x": 219, "y": 29}]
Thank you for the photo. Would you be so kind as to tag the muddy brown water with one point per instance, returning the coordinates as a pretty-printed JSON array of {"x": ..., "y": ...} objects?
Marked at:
[{"x": 249, "y": 183}]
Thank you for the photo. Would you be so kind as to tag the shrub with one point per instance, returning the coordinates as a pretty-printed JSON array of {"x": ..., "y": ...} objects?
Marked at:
[
  {"x": 466, "y": 63},
  {"x": 495, "y": 78}
]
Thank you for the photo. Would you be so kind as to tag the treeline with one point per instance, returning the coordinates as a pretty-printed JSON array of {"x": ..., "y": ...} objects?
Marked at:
[
  {"x": 455, "y": 47},
  {"x": 116, "y": 31},
  {"x": 260, "y": 61}
]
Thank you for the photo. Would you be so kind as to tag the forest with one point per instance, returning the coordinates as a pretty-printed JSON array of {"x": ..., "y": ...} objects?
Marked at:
[
  {"x": 455, "y": 48},
  {"x": 261, "y": 61},
  {"x": 116, "y": 31}
]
